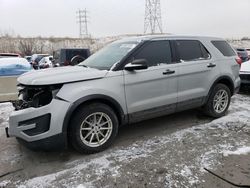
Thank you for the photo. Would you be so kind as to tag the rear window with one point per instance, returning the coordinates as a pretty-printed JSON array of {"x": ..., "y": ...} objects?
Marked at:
[
  {"x": 191, "y": 50},
  {"x": 242, "y": 50},
  {"x": 224, "y": 48},
  {"x": 72, "y": 53}
]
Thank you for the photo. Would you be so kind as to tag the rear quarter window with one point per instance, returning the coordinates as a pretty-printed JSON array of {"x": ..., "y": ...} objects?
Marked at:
[{"x": 224, "y": 48}]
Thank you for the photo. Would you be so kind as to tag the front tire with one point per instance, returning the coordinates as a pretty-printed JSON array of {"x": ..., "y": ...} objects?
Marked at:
[
  {"x": 93, "y": 128},
  {"x": 218, "y": 101}
]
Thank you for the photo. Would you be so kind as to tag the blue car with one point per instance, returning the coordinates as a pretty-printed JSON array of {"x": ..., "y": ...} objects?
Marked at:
[{"x": 10, "y": 69}]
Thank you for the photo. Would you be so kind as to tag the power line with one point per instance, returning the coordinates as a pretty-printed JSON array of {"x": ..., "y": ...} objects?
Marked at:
[
  {"x": 152, "y": 20},
  {"x": 82, "y": 19}
]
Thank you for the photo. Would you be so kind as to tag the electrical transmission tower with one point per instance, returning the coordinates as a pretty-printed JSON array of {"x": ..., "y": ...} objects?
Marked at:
[
  {"x": 152, "y": 20},
  {"x": 82, "y": 19}
]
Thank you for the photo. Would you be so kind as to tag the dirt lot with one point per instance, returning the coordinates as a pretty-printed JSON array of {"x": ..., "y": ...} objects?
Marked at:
[{"x": 171, "y": 151}]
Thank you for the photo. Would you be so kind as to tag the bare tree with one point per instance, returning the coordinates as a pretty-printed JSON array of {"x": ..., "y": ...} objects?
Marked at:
[{"x": 27, "y": 46}]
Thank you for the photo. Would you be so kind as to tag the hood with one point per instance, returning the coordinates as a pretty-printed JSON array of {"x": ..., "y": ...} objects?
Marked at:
[
  {"x": 60, "y": 75},
  {"x": 245, "y": 67}
]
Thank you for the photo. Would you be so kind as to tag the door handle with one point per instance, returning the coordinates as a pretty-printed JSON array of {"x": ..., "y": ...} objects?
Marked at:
[
  {"x": 211, "y": 65},
  {"x": 168, "y": 71}
]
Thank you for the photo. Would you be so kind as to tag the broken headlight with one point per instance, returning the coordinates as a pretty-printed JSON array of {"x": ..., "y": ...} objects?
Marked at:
[{"x": 35, "y": 96}]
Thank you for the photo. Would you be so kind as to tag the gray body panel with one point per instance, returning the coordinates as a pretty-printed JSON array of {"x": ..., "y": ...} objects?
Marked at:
[
  {"x": 60, "y": 75},
  {"x": 56, "y": 108},
  {"x": 149, "y": 89}
]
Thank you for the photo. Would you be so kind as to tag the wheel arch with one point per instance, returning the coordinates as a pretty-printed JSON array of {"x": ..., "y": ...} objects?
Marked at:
[
  {"x": 122, "y": 118},
  {"x": 226, "y": 80}
]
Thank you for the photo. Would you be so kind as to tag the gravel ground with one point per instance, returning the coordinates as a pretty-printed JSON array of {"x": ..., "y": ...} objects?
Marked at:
[{"x": 170, "y": 151}]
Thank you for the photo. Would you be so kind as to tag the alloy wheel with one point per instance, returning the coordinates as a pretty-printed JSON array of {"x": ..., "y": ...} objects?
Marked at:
[
  {"x": 96, "y": 129},
  {"x": 220, "y": 102}
]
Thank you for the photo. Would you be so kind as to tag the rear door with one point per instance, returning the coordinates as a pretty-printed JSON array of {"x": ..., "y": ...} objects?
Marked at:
[
  {"x": 197, "y": 69},
  {"x": 152, "y": 92}
]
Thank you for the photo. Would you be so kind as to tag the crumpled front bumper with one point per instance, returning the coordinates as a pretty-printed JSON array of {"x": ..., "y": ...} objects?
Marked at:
[{"x": 34, "y": 124}]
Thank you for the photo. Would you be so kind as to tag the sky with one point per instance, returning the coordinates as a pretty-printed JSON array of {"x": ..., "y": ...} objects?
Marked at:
[{"x": 46, "y": 18}]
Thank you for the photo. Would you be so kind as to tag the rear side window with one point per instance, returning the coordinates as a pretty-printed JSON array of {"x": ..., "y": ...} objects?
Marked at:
[
  {"x": 191, "y": 50},
  {"x": 224, "y": 48},
  {"x": 156, "y": 53}
]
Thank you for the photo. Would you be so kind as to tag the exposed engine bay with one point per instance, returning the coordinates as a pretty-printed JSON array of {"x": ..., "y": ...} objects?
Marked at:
[{"x": 35, "y": 96}]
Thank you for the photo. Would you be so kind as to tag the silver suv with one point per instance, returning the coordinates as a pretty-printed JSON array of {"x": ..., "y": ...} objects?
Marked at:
[{"x": 128, "y": 81}]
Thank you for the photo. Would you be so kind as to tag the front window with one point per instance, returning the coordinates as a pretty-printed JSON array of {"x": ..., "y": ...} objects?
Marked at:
[
  {"x": 109, "y": 55},
  {"x": 156, "y": 53}
]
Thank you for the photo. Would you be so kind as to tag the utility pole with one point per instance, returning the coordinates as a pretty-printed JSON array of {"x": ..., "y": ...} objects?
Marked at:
[
  {"x": 82, "y": 19},
  {"x": 152, "y": 20}
]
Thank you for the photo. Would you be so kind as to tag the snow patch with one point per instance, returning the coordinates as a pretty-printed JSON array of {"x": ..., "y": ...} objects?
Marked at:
[
  {"x": 4, "y": 183},
  {"x": 101, "y": 165},
  {"x": 110, "y": 162},
  {"x": 87, "y": 185},
  {"x": 240, "y": 151}
]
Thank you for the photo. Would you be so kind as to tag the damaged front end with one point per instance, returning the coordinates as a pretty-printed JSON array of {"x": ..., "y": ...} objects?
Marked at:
[{"x": 35, "y": 96}]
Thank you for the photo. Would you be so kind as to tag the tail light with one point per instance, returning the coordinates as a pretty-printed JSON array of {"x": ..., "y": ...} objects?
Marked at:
[
  {"x": 66, "y": 63},
  {"x": 238, "y": 60}
]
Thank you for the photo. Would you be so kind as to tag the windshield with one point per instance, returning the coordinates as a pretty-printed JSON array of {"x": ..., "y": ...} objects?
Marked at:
[{"x": 109, "y": 55}]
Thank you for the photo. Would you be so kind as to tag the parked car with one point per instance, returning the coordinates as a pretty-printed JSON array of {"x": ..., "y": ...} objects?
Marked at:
[
  {"x": 10, "y": 69},
  {"x": 128, "y": 81},
  {"x": 45, "y": 62},
  {"x": 243, "y": 54},
  {"x": 248, "y": 51},
  {"x": 245, "y": 73},
  {"x": 35, "y": 58},
  {"x": 9, "y": 55},
  {"x": 64, "y": 57},
  {"x": 28, "y": 58}
]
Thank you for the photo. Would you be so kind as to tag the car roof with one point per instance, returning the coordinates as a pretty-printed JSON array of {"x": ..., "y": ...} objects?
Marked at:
[
  {"x": 13, "y": 60},
  {"x": 10, "y": 54},
  {"x": 164, "y": 36},
  {"x": 36, "y": 55}
]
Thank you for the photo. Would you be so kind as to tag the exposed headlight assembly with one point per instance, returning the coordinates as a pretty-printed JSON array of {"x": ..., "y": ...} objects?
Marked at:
[{"x": 35, "y": 96}]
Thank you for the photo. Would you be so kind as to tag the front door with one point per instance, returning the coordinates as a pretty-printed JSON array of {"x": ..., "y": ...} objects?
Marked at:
[{"x": 152, "y": 92}]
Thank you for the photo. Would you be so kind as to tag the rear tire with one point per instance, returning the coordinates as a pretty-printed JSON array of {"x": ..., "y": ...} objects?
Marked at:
[
  {"x": 218, "y": 101},
  {"x": 93, "y": 128},
  {"x": 76, "y": 60}
]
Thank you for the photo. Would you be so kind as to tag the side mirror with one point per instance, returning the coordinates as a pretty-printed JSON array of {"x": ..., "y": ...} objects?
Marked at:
[{"x": 138, "y": 64}]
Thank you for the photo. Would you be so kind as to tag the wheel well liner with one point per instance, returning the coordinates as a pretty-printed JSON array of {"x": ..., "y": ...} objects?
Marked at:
[{"x": 94, "y": 98}]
